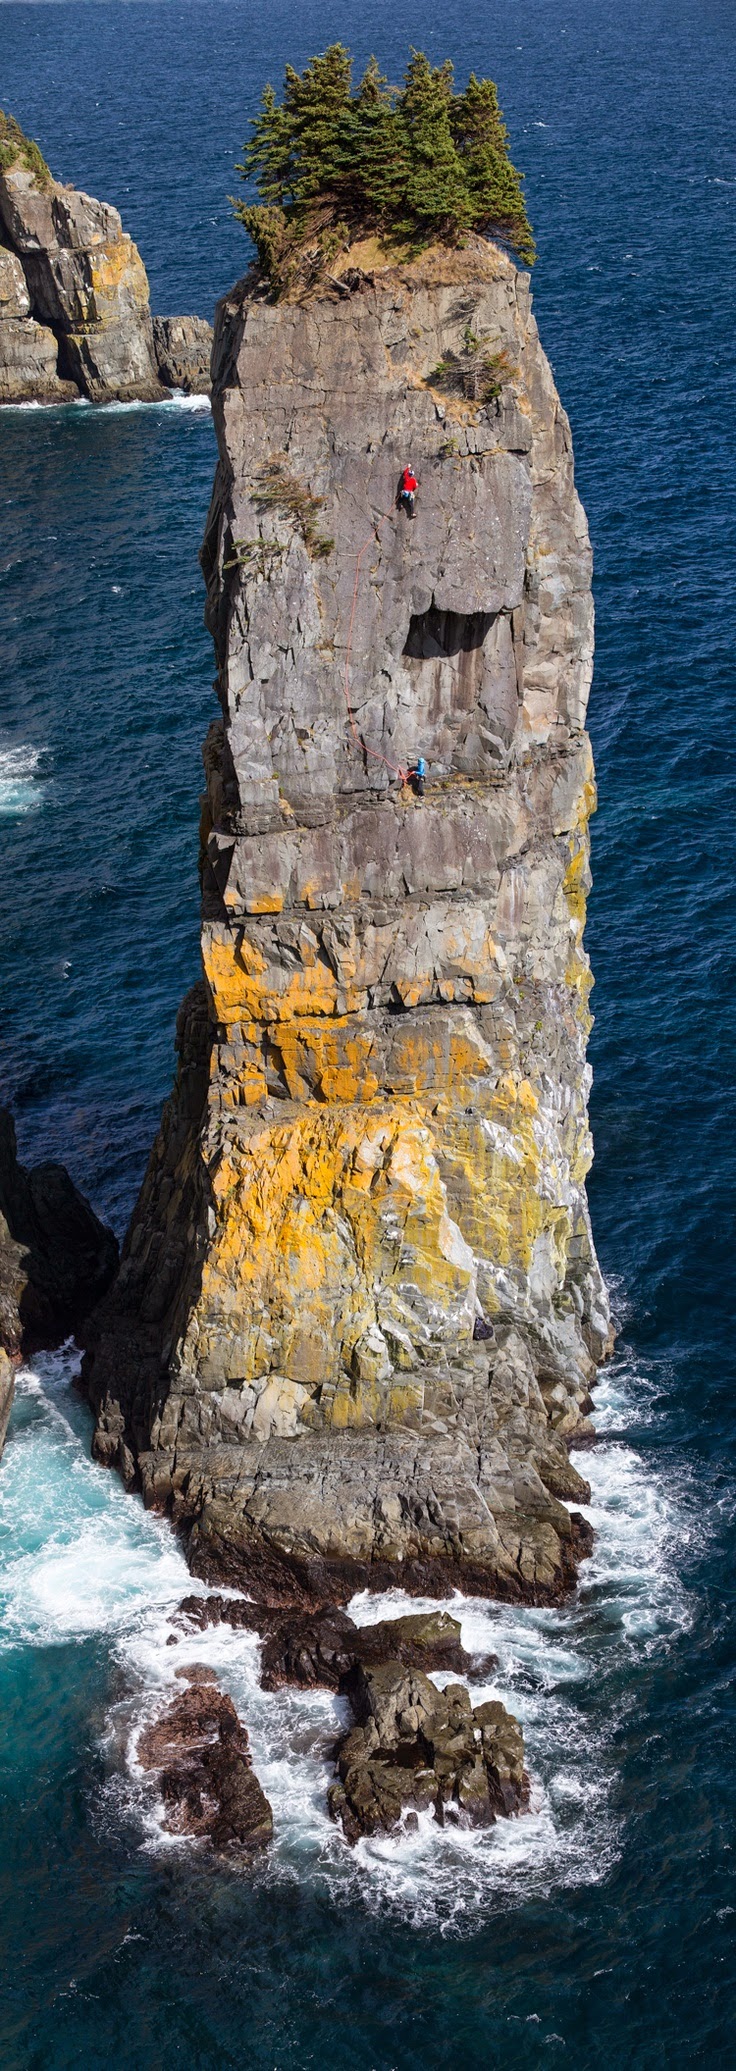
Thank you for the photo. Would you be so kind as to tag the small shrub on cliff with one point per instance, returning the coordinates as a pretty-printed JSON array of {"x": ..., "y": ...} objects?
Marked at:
[
  {"x": 16, "y": 147},
  {"x": 476, "y": 374},
  {"x": 411, "y": 165},
  {"x": 276, "y": 489}
]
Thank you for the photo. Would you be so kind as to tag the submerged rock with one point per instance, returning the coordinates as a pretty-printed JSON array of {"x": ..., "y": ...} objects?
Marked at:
[
  {"x": 359, "y": 1310},
  {"x": 206, "y": 1777},
  {"x": 415, "y": 1747},
  {"x": 56, "y": 1257}
]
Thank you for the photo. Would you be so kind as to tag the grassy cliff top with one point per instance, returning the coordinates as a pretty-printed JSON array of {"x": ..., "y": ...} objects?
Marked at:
[{"x": 18, "y": 149}]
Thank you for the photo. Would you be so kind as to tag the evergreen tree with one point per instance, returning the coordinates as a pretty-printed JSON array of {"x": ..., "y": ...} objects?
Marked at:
[
  {"x": 317, "y": 105},
  {"x": 493, "y": 185},
  {"x": 379, "y": 150},
  {"x": 436, "y": 194},
  {"x": 415, "y": 165}
]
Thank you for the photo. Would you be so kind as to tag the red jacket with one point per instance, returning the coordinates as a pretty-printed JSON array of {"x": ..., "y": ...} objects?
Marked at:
[{"x": 408, "y": 482}]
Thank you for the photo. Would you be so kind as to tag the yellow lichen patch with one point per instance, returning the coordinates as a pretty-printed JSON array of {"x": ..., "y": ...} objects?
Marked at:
[{"x": 328, "y": 1227}]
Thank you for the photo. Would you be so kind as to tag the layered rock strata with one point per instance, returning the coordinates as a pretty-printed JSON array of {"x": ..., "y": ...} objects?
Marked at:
[
  {"x": 359, "y": 1310},
  {"x": 183, "y": 348},
  {"x": 74, "y": 299}
]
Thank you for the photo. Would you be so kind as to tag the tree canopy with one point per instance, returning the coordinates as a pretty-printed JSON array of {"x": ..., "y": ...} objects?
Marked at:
[{"x": 415, "y": 164}]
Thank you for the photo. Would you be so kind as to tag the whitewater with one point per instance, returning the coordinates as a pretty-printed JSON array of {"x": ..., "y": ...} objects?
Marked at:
[{"x": 81, "y": 1558}]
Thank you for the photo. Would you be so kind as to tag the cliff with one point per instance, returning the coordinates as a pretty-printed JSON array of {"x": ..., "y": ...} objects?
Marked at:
[
  {"x": 56, "y": 1260},
  {"x": 74, "y": 301},
  {"x": 359, "y": 1311}
]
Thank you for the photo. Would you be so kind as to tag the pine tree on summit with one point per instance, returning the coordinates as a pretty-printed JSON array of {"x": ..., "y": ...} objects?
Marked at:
[
  {"x": 413, "y": 165},
  {"x": 492, "y": 182},
  {"x": 436, "y": 194}
]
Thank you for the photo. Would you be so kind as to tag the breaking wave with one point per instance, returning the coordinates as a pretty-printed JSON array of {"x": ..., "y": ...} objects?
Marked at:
[{"x": 82, "y": 1558}]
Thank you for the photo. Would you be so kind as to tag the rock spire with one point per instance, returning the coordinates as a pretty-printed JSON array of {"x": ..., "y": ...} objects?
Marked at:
[{"x": 359, "y": 1311}]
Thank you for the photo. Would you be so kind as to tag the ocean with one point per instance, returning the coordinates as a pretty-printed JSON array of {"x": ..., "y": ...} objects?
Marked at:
[{"x": 601, "y": 1929}]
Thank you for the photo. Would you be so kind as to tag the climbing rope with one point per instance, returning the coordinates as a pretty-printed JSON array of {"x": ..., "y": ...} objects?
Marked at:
[{"x": 373, "y": 753}]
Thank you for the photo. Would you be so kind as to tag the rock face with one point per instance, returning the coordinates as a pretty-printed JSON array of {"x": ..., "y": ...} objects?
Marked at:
[
  {"x": 87, "y": 287},
  {"x": 7, "y": 1389},
  {"x": 415, "y": 1748},
  {"x": 56, "y": 1258},
  {"x": 206, "y": 1776},
  {"x": 74, "y": 303},
  {"x": 183, "y": 347},
  {"x": 359, "y": 1310}
]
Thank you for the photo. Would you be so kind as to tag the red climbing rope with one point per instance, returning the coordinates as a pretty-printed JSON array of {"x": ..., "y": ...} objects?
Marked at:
[{"x": 374, "y": 753}]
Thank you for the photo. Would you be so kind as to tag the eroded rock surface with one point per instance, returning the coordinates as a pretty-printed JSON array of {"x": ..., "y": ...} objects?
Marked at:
[
  {"x": 415, "y": 1747},
  {"x": 183, "y": 347},
  {"x": 74, "y": 299},
  {"x": 359, "y": 1310},
  {"x": 206, "y": 1778},
  {"x": 320, "y": 1649},
  {"x": 56, "y": 1259}
]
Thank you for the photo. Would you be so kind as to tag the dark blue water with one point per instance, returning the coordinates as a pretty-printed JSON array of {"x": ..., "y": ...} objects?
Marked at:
[{"x": 607, "y": 1937}]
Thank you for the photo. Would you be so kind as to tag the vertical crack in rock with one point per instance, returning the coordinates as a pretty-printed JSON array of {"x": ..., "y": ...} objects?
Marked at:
[{"x": 359, "y": 1311}]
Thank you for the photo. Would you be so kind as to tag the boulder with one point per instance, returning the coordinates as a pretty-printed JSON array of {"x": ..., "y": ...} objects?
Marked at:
[
  {"x": 414, "y": 1747},
  {"x": 183, "y": 348},
  {"x": 206, "y": 1778},
  {"x": 56, "y": 1258}
]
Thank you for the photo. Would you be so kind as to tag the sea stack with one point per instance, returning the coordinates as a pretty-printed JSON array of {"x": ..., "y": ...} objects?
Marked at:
[
  {"x": 359, "y": 1311},
  {"x": 74, "y": 301}
]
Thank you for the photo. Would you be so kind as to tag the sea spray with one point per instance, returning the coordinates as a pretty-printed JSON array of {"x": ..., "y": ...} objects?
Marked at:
[{"x": 82, "y": 1558}]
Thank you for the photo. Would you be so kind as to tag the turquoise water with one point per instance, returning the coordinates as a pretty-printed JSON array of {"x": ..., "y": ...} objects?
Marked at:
[{"x": 602, "y": 1927}]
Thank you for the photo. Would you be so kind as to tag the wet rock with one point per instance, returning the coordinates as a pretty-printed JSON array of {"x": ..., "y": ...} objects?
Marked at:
[
  {"x": 7, "y": 1389},
  {"x": 415, "y": 1747},
  {"x": 318, "y": 1650},
  {"x": 183, "y": 347},
  {"x": 206, "y": 1777},
  {"x": 56, "y": 1257}
]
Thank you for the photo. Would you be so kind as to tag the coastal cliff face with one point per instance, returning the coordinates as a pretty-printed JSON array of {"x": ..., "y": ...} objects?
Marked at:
[
  {"x": 74, "y": 303},
  {"x": 359, "y": 1310},
  {"x": 86, "y": 288}
]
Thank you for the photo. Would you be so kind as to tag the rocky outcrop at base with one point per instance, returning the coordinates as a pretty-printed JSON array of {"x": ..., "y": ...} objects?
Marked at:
[
  {"x": 320, "y": 1650},
  {"x": 200, "y": 1749},
  {"x": 56, "y": 1258},
  {"x": 416, "y": 1748},
  {"x": 74, "y": 301},
  {"x": 183, "y": 347},
  {"x": 359, "y": 1311}
]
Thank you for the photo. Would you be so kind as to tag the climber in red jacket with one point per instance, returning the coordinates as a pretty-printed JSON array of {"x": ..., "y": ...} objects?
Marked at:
[{"x": 408, "y": 489}]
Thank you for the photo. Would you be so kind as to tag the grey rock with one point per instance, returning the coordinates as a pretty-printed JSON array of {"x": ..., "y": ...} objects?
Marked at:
[
  {"x": 56, "y": 1257},
  {"x": 378, "y": 1138},
  {"x": 183, "y": 348}
]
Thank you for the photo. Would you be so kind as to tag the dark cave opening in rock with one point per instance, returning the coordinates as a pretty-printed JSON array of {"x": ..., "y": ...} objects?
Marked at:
[{"x": 437, "y": 634}]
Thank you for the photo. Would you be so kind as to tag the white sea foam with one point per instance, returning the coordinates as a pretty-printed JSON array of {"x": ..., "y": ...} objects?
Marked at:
[
  {"x": 81, "y": 1557},
  {"x": 20, "y": 789}
]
